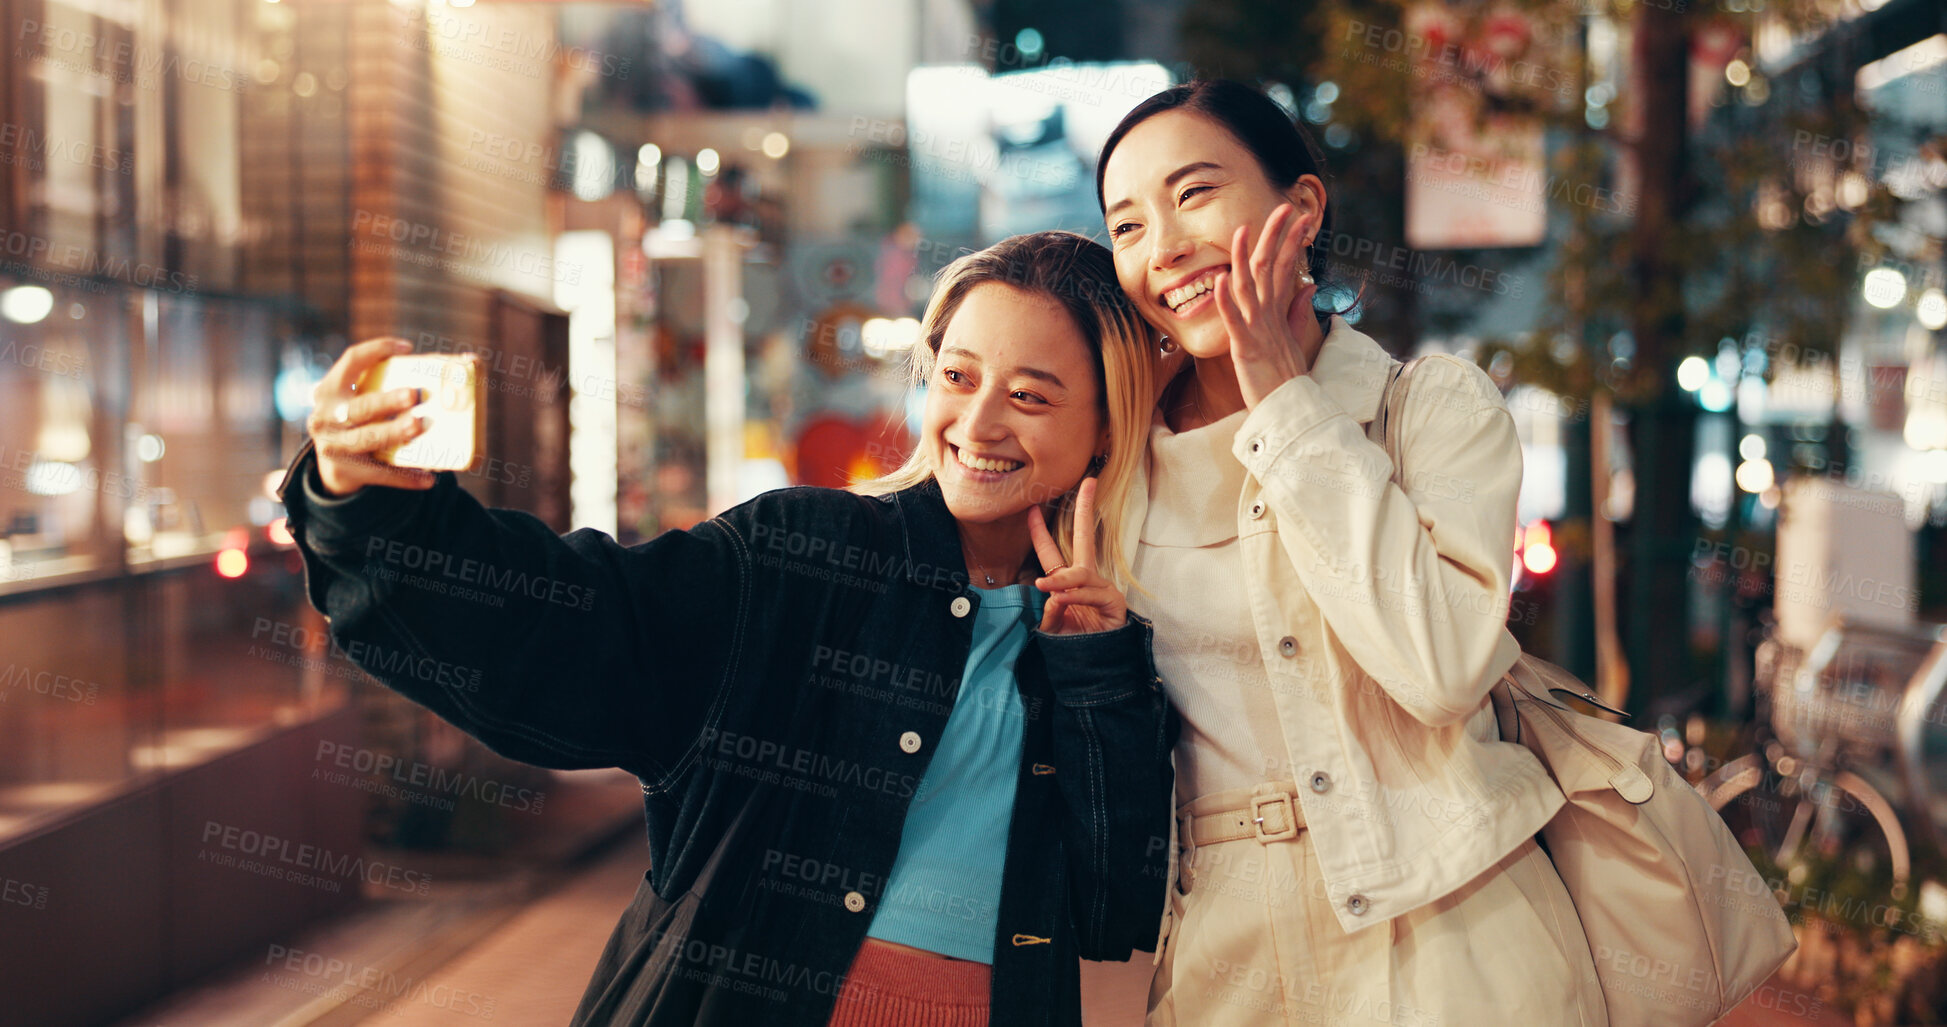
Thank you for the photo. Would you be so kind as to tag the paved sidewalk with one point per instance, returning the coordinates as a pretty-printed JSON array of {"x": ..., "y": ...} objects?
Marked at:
[
  {"x": 532, "y": 969},
  {"x": 382, "y": 955}
]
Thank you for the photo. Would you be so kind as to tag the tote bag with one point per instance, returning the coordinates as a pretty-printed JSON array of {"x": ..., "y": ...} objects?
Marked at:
[{"x": 1680, "y": 923}]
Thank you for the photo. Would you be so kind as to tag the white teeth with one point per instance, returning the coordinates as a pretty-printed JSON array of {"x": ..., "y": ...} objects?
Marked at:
[
  {"x": 984, "y": 464},
  {"x": 1183, "y": 294}
]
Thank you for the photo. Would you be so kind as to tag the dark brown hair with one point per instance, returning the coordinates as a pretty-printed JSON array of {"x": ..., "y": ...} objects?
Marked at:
[{"x": 1284, "y": 150}]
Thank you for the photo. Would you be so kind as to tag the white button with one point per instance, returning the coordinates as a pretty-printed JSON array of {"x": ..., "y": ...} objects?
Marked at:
[
  {"x": 909, "y": 742},
  {"x": 1288, "y": 646},
  {"x": 1356, "y": 905},
  {"x": 1321, "y": 782},
  {"x": 1257, "y": 445},
  {"x": 854, "y": 901},
  {"x": 1257, "y": 509},
  {"x": 961, "y": 606}
]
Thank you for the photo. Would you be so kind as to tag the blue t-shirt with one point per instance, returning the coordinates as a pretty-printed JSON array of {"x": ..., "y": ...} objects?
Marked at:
[{"x": 944, "y": 893}]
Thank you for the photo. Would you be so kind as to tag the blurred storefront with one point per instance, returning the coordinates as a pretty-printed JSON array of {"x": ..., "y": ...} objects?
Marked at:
[{"x": 200, "y": 204}]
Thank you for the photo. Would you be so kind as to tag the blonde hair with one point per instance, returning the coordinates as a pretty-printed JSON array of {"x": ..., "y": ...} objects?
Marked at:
[{"x": 1079, "y": 274}]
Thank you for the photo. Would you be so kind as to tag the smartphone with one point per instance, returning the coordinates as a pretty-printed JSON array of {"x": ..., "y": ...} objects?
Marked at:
[{"x": 455, "y": 408}]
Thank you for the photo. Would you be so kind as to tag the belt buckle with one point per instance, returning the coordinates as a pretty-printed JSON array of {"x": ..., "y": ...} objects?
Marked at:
[{"x": 1258, "y": 804}]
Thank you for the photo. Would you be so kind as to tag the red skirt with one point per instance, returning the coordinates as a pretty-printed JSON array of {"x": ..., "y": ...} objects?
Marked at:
[{"x": 890, "y": 988}]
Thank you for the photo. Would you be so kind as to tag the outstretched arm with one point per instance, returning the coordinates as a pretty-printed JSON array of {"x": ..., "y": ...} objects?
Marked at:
[{"x": 561, "y": 651}]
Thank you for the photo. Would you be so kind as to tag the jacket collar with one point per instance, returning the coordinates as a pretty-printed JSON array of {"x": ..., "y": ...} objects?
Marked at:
[{"x": 931, "y": 538}]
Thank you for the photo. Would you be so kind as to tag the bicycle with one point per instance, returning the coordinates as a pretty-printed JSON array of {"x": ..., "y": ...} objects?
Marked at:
[{"x": 1842, "y": 705}]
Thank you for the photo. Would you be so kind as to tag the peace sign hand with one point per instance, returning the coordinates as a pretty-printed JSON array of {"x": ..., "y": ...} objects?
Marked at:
[{"x": 1080, "y": 601}]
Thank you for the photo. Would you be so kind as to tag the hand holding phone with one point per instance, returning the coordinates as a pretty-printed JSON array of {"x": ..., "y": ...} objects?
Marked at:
[
  {"x": 365, "y": 417},
  {"x": 454, "y": 408}
]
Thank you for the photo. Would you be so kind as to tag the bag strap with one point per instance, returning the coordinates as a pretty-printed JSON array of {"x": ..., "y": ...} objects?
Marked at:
[{"x": 1392, "y": 399}]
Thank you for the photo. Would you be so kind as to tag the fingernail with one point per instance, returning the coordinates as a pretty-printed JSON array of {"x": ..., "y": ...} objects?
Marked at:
[
  {"x": 419, "y": 422},
  {"x": 400, "y": 345},
  {"x": 419, "y": 395}
]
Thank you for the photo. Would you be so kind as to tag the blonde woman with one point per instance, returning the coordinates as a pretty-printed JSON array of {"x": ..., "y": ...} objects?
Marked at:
[
  {"x": 903, "y": 753},
  {"x": 1355, "y": 841}
]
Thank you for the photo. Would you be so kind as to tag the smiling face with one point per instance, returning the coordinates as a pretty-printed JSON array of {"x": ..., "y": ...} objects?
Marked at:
[
  {"x": 1176, "y": 188},
  {"x": 1013, "y": 405}
]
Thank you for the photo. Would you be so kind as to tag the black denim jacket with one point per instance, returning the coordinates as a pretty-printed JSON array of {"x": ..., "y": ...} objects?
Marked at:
[{"x": 778, "y": 677}]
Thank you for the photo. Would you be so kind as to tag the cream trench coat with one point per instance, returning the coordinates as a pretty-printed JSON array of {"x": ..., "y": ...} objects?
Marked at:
[{"x": 1380, "y": 617}]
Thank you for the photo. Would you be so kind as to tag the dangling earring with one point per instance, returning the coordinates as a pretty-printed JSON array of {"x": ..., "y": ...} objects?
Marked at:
[
  {"x": 1168, "y": 345},
  {"x": 1100, "y": 461},
  {"x": 1305, "y": 280}
]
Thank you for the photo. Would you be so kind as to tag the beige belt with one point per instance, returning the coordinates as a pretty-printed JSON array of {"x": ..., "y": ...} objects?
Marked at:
[{"x": 1270, "y": 817}]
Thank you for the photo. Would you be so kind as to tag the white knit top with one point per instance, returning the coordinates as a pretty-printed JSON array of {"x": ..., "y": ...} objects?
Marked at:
[{"x": 1206, "y": 649}]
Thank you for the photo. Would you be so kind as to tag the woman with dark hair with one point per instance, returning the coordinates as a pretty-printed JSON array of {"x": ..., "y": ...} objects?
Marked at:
[
  {"x": 1354, "y": 840},
  {"x": 904, "y": 755}
]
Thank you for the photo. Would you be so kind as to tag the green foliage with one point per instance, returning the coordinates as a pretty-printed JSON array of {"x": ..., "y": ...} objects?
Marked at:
[{"x": 1760, "y": 248}]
